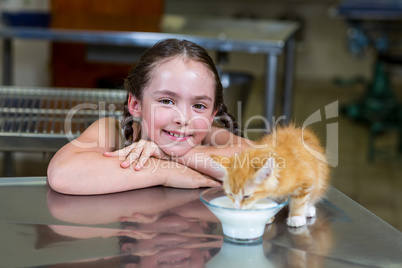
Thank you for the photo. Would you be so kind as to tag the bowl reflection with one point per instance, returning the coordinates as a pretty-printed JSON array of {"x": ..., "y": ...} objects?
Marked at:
[
  {"x": 240, "y": 225},
  {"x": 240, "y": 255}
]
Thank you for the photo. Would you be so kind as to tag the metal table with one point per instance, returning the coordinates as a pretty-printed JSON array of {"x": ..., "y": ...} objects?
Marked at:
[
  {"x": 44, "y": 119},
  {"x": 270, "y": 38},
  {"x": 368, "y": 9},
  {"x": 168, "y": 226}
]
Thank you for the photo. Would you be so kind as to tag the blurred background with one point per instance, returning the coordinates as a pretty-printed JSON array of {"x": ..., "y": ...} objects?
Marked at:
[{"x": 334, "y": 61}]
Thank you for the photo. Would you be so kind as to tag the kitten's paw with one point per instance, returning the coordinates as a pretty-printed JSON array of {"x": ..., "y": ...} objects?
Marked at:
[
  {"x": 296, "y": 221},
  {"x": 310, "y": 212},
  {"x": 298, "y": 230}
]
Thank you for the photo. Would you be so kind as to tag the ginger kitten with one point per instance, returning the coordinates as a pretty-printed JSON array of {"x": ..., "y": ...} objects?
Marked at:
[{"x": 282, "y": 168}]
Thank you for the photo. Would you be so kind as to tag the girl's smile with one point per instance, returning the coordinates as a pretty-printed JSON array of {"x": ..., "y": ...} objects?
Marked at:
[
  {"x": 177, "y": 105},
  {"x": 174, "y": 135}
]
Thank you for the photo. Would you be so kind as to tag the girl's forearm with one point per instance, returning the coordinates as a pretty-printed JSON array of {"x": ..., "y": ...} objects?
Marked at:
[
  {"x": 88, "y": 173},
  {"x": 199, "y": 158},
  {"x": 93, "y": 173}
]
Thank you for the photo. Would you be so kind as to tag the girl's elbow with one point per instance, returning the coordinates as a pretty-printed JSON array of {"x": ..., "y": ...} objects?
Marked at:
[{"x": 57, "y": 179}]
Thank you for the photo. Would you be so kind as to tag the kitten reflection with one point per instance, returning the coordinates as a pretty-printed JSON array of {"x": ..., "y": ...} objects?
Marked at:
[{"x": 307, "y": 245}]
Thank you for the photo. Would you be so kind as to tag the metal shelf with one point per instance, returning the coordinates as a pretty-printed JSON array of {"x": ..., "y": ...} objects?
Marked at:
[{"x": 55, "y": 113}]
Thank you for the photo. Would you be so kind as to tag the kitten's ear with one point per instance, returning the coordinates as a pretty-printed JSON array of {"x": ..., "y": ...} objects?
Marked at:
[{"x": 266, "y": 170}]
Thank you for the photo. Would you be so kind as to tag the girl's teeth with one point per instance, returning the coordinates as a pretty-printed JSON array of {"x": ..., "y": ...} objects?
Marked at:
[{"x": 176, "y": 135}]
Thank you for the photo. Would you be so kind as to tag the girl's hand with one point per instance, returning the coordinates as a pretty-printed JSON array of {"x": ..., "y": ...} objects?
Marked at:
[{"x": 138, "y": 153}]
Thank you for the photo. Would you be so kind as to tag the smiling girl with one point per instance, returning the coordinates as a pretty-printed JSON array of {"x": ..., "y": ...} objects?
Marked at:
[{"x": 175, "y": 92}]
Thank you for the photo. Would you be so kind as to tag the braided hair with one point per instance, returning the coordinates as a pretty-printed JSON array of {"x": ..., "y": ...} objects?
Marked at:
[{"x": 139, "y": 78}]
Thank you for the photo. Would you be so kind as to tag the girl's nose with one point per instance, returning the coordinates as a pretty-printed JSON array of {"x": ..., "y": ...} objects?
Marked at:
[{"x": 182, "y": 116}]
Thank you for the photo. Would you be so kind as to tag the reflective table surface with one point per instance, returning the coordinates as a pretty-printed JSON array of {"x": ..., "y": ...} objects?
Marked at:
[{"x": 167, "y": 227}]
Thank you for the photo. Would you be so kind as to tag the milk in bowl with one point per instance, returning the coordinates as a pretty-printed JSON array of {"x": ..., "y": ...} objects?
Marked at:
[{"x": 240, "y": 225}]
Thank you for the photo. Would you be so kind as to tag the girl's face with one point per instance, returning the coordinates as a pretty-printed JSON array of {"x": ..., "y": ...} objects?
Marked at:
[{"x": 177, "y": 106}]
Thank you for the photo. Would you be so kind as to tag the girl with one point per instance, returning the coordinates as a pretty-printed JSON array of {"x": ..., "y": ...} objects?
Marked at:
[{"x": 176, "y": 92}]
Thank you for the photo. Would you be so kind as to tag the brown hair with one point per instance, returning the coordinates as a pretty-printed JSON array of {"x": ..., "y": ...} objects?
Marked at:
[{"x": 140, "y": 77}]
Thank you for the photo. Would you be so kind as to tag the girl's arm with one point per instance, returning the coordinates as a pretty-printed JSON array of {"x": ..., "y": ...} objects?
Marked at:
[
  {"x": 219, "y": 142},
  {"x": 81, "y": 168}
]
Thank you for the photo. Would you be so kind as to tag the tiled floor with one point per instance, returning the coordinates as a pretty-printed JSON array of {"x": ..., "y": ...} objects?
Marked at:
[{"x": 376, "y": 186}]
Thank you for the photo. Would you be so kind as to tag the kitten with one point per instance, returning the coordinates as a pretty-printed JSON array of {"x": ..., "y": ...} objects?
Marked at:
[{"x": 281, "y": 168}]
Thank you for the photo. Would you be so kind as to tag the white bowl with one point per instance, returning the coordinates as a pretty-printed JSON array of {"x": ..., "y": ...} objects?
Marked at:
[{"x": 241, "y": 225}]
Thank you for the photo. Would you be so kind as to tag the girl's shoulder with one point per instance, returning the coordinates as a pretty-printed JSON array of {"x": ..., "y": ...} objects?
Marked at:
[
  {"x": 104, "y": 131},
  {"x": 109, "y": 123},
  {"x": 113, "y": 122},
  {"x": 221, "y": 136}
]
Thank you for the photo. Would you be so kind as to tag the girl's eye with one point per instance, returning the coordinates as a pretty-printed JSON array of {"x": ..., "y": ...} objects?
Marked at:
[
  {"x": 199, "y": 106},
  {"x": 166, "y": 101}
]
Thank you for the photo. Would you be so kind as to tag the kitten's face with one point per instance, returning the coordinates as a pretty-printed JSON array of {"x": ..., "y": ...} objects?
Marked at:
[
  {"x": 245, "y": 184},
  {"x": 241, "y": 198}
]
